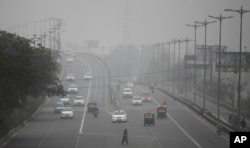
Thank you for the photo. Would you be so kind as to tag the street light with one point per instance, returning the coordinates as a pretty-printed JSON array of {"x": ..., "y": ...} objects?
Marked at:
[
  {"x": 195, "y": 26},
  {"x": 174, "y": 41},
  {"x": 220, "y": 18},
  {"x": 241, "y": 12},
  {"x": 205, "y": 23},
  {"x": 168, "y": 69},
  {"x": 186, "y": 40},
  {"x": 162, "y": 64},
  {"x": 178, "y": 79}
]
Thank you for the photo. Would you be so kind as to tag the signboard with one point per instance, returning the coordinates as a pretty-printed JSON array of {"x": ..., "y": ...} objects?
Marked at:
[
  {"x": 230, "y": 62},
  {"x": 211, "y": 47},
  {"x": 189, "y": 62}
]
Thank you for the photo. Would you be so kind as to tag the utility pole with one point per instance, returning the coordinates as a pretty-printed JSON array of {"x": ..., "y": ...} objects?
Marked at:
[
  {"x": 195, "y": 26},
  {"x": 220, "y": 18},
  {"x": 205, "y": 23},
  {"x": 186, "y": 40},
  {"x": 241, "y": 11}
]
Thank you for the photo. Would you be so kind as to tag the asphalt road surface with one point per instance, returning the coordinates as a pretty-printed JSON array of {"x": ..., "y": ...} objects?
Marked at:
[{"x": 181, "y": 129}]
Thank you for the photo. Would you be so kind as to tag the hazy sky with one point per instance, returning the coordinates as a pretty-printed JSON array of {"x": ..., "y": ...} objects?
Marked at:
[{"x": 149, "y": 21}]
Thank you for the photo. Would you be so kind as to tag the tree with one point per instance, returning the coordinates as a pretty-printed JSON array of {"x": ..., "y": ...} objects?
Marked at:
[{"x": 25, "y": 72}]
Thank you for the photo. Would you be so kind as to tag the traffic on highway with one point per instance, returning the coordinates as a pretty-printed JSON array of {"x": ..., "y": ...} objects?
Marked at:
[{"x": 74, "y": 125}]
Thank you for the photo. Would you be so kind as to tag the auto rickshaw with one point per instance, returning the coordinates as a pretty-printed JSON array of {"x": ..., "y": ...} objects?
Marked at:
[
  {"x": 91, "y": 107},
  {"x": 149, "y": 118},
  {"x": 162, "y": 112}
]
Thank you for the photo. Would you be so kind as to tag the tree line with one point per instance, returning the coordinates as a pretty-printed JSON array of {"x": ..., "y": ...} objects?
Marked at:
[{"x": 26, "y": 71}]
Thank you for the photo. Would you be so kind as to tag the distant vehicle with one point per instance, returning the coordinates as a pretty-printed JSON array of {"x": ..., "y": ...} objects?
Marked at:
[
  {"x": 92, "y": 107},
  {"x": 149, "y": 118},
  {"x": 79, "y": 100},
  {"x": 146, "y": 97},
  {"x": 70, "y": 59},
  {"x": 161, "y": 112},
  {"x": 136, "y": 100},
  {"x": 59, "y": 107},
  {"x": 87, "y": 76},
  {"x": 119, "y": 116},
  {"x": 130, "y": 84},
  {"x": 64, "y": 100},
  {"x": 127, "y": 92},
  {"x": 70, "y": 77},
  {"x": 72, "y": 89},
  {"x": 67, "y": 112}
]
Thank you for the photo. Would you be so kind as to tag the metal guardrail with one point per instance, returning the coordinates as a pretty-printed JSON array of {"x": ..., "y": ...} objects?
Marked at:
[{"x": 223, "y": 126}]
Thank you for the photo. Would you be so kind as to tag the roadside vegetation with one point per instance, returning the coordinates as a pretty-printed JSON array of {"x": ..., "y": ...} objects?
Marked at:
[{"x": 28, "y": 74}]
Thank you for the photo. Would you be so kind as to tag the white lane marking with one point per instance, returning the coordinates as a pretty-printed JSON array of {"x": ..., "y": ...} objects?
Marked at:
[
  {"x": 178, "y": 125},
  {"x": 190, "y": 137},
  {"x": 47, "y": 134},
  {"x": 107, "y": 104},
  {"x": 88, "y": 94},
  {"x": 133, "y": 136},
  {"x": 85, "y": 108},
  {"x": 155, "y": 138}
]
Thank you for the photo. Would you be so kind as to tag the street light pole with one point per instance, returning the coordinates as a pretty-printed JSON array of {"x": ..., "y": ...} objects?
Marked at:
[
  {"x": 220, "y": 18},
  {"x": 195, "y": 26},
  {"x": 178, "y": 76},
  {"x": 141, "y": 67},
  {"x": 205, "y": 23},
  {"x": 162, "y": 64},
  {"x": 174, "y": 41},
  {"x": 241, "y": 12},
  {"x": 153, "y": 65},
  {"x": 186, "y": 40},
  {"x": 168, "y": 73}
]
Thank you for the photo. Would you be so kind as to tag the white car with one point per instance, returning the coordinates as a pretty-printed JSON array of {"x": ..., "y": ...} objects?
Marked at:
[
  {"x": 79, "y": 100},
  {"x": 130, "y": 84},
  {"x": 146, "y": 97},
  {"x": 87, "y": 76},
  {"x": 119, "y": 116},
  {"x": 70, "y": 77},
  {"x": 136, "y": 100},
  {"x": 127, "y": 92},
  {"x": 67, "y": 112},
  {"x": 64, "y": 99},
  {"x": 70, "y": 59},
  {"x": 72, "y": 89}
]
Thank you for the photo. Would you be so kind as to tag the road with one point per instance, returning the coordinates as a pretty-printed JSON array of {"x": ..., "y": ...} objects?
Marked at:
[{"x": 182, "y": 128}]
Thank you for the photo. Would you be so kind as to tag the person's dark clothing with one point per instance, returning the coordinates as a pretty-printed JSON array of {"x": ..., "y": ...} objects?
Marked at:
[
  {"x": 243, "y": 123},
  {"x": 125, "y": 136}
]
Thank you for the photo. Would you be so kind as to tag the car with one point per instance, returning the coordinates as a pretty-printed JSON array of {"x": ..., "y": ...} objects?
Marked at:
[
  {"x": 136, "y": 100},
  {"x": 67, "y": 112},
  {"x": 130, "y": 84},
  {"x": 127, "y": 92},
  {"x": 119, "y": 116},
  {"x": 146, "y": 97},
  {"x": 87, "y": 76},
  {"x": 70, "y": 77},
  {"x": 59, "y": 107},
  {"x": 72, "y": 89},
  {"x": 70, "y": 59},
  {"x": 64, "y": 99},
  {"x": 79, "y": 100}
]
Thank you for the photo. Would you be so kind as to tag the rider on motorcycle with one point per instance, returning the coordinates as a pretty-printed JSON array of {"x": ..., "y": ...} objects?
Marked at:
[{"x": 164, "y": 103}]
